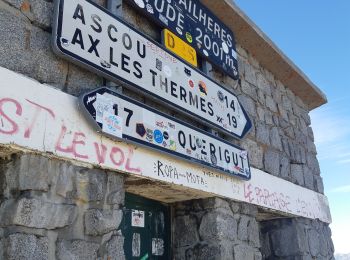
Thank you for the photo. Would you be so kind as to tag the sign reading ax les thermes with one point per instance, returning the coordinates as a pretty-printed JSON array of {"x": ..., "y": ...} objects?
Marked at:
[
  {"x": 121, "y": 117},
  {"x": 90, "y": 36}
]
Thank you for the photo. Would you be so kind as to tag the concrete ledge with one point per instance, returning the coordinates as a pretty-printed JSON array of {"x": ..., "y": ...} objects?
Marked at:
[{"x": 266, "y": 52}]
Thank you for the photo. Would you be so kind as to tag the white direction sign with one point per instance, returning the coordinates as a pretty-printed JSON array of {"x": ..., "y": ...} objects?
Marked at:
[
  {"x": 121, "y": 117},
  {"x": 89, "y": 35}
]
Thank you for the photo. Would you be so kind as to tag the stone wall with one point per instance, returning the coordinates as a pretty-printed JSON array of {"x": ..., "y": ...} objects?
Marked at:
[
  {"x": 296, "y": 239},
  {"x": 215, "y": 229},
  {"x": 52, "y": 209}
]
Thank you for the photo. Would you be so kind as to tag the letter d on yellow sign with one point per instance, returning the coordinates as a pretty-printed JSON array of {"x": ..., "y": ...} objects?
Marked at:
[{"x": 179, "y": 47}]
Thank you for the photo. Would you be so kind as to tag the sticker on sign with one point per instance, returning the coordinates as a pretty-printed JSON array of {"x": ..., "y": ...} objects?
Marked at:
[
  {"x": 140, "y": 124},
  {"x": 90, "y": 36},
  {"x": 198, "y": 26},
  {"x": 179, "y": 47}
]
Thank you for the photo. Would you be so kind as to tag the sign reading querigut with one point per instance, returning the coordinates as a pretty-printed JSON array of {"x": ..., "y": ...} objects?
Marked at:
[
  {"x": 120, "y": 117},
  {"x": 89, "y": 35},
  {"x": 196, "y": 25}
]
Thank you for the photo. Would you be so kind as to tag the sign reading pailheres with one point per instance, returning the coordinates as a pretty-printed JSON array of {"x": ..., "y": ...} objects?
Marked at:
[
  {"x": 89, "y": 35},
  {"x": 196, "y": 25},
  {"x": 179, "y": 47},
  {"x": 121, "y": 117}
]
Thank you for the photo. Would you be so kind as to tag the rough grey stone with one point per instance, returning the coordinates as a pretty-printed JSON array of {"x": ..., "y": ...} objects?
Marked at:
[
  {"x": 215, "y": 203},
  {"x": 185, "y": 231},
  {"x": 286, "y": 103},
  {"x": 42, "y": 12},
  {"x": 255, "y": 153},
  {"x": 271, "y": 104},
  {"x": 253, "y": 233},
  {"x": 249, "y": 73},
  {"x": 218, "y": 226},
  {"x": 89, "y": 184},
  {"x": 285, "y": 167},
  {"x": 206, "y": 251},
  {"x": 248, "y": 104},
  {"x": 33, "y": 173},
  {"x": 242, "y": 230},
  {"x": 36, "y": 214},
  {"x": 308, "y": 178},
  {"x": 261, "y": 113},
  {"x": 48, "y": 67},
  {"x": 261, "y": 97},
  {"x": 314, "y": 242},
  {"x": 288, "y": 241},
  {"x": 80, "y": 80},
  {"x": 29, "y": 247},
  {"x": 275, "y": 138},
  {"x": 269, "y": 118},
  {"x": 115, "y": 248},
  {"x": 76, "y": 250},
  {"x": 243, "y": 252},
  {"x": 313, "y": 164},
  {"x": 297, "y": 175},
  {"x": 115, "y": 186},
  {"x": 311, "y": 147},
  {"x": 262, "y": 133},
  {"x": 272, "y": 162},
  {"x": 318, "y": 184},
  {"x": 263, "y": 84},
  {"x": 14, "y": 47},
  {"x": 2, "y": 249},
  {"x": 249, "y": 209},
  {"x": 98, "y": 222},
  {"x": 310, "y": 133},
  {"x": 249, "y": 90}
]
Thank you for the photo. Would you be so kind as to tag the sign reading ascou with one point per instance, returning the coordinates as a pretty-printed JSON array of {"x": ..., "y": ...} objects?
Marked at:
[
  {"x": 198, "y": 26},
  {"x": 121, "y": 117},
  {"x": 89, "y": 35}
]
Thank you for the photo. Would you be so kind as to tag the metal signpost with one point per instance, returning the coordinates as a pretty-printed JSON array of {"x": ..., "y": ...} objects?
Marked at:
[
  {"x": 91, "y": 36},
  {"x": 179, "y": 47},
  {"x": 198, "y": 26},
  {"x": 120, "y": 117}
]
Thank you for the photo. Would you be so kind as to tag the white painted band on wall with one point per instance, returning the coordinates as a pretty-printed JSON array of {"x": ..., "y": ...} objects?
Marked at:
[{"x": 40, "y": 118}]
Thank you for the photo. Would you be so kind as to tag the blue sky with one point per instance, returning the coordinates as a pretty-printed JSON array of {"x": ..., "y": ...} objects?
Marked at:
[{"x": 315, "y": 35}]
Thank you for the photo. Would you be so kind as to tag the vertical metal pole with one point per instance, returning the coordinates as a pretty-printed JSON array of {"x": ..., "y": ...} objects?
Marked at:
[
  {"x": 208, "y": 70},
  {"x": 116, "y": 8}
]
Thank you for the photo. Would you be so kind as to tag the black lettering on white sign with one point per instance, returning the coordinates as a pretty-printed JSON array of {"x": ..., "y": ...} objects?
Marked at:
[
  {"x": 118, "y": 116},
  {"x": 90, "y": 36}
]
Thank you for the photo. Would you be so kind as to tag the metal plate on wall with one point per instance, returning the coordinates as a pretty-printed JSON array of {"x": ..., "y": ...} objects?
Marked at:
[
  {"x": 90, "y": 36},
  {"x": 198, "y": 26},
  {"x": 120, "y": 117}
]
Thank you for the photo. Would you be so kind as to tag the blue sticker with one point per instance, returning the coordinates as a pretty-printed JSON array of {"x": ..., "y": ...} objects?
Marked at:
[{"x": 158, "y": 136}]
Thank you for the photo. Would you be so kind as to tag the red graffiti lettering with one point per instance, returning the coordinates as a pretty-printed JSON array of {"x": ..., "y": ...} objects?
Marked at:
[
  {"x": 75, "y": 142},
  {"x": 39, "y": 108},
  {"x": 128, "y": 166},
  {"x": 14, "y": 126},
  {"x": 248, "y": 192},
  {"x": 116, "y": 150},
  {"x": 100, "y": 152}
]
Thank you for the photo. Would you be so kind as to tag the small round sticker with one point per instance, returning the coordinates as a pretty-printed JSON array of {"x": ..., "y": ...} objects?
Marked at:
[
  {"x": 165, "y": 135},
  {"x": 158, "y": 136},
  {"x": 191, "y": 83},
  {"x": 225, "y": 47},
  {"x": 189, "y": 37},
  {"x": 179, "y": 31},
  {"x": 140, "y": 3}
]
